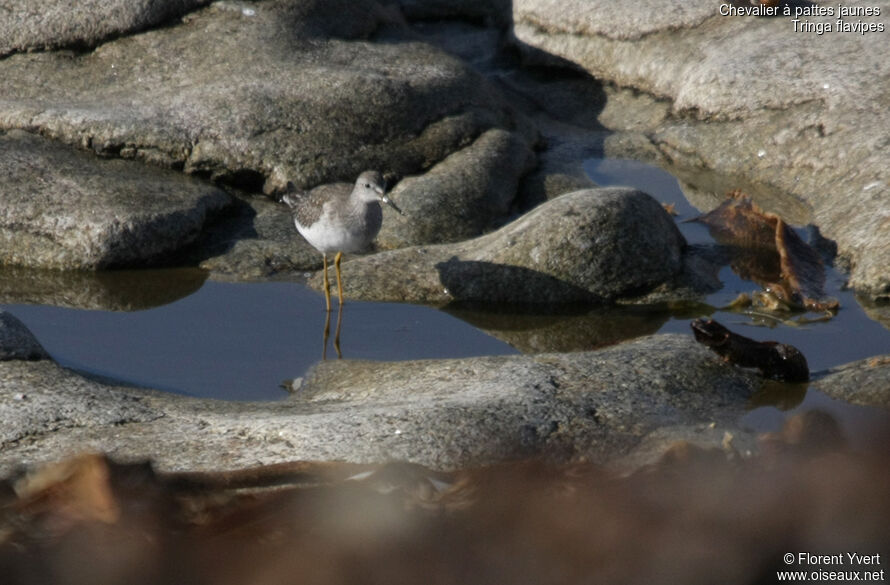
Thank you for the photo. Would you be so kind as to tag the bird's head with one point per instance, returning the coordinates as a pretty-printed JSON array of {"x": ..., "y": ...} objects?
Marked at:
[{"x": 371, "y": 186}]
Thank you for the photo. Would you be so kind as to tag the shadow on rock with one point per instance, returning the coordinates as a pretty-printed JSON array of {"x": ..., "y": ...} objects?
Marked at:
[{"x": 468, "y": 280}]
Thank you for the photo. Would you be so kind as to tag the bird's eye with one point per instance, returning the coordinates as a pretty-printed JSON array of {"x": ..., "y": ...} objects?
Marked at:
[{"x": 367, "y": 185}]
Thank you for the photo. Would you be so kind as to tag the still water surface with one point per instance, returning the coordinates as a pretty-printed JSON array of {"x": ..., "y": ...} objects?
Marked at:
[{"x": 240, "y": 341}]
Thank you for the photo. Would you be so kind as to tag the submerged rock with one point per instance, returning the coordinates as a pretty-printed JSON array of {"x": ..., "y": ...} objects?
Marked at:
[
  {"x": 594, "y": 245},
  {"x": 566, "y": 328},
  {"x": 61, "y": 208}
]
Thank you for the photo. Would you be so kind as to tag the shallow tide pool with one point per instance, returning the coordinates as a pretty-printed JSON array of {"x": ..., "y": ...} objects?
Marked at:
[{"x": 240, "y": 341}]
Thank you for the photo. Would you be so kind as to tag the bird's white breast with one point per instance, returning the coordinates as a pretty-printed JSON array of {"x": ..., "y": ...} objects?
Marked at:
[{"x": 348, "y": 232}]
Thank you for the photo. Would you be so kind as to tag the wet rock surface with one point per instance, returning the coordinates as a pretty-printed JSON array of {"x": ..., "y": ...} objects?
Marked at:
[
  {"x": 593, "y": 245},
  {"x": 878, "y": 311},
  {"x": 562, "y": 329},
  {"x": 809, "y": 124},
  {"x": 62, "y": 208},
  {"x": 443, "y": 413}
]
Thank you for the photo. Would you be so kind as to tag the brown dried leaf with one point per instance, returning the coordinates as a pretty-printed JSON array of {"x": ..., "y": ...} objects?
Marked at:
[{"x": 767, "y": 251}]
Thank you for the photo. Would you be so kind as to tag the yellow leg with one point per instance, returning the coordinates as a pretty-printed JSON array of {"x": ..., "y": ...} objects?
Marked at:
[
  {"x": 339, "y": 282},
  {"x": 327, "y": 282}
]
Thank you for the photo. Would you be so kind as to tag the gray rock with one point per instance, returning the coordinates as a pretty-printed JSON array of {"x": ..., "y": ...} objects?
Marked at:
[
  {"x": 602, "y": 19},
  {"x": 578, "y": 116},
  {"x": 66, "y": 209},
  {"x": 865, "y": 382},
  {"x": 462, "y": 196},
  {"x": 52, "y": 24},
  {"x": 17, "y": 342},
  {"x": 560, "y": 167},
  {"x": 591, "y": 404},
  {"x": 444, "y": 413},
  {"x": 699, "y": 276},
  {"x": 39, "y": 398},
  {"x": 477, "y": 45},
  {"x": 592, "y": 245},
  {"x": 751, "y": 98},
  {"x": 292, "y": 91}
]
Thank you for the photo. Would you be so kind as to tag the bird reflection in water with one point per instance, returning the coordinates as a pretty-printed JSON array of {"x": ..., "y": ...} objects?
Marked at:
[{"x": 327, "y": 333}]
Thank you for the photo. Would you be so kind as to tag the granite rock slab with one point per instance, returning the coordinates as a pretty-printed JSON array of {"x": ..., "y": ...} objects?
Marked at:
[{"x": 66, "y": 209}]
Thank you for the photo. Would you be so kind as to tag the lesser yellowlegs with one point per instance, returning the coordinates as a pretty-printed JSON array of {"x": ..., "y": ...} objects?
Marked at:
[{"x": 340, "y": 218}]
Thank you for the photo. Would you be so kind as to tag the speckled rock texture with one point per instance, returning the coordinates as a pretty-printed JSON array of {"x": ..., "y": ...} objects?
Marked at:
[
  {"x": 54, "y": 24},
  {"x": 253, "y": 95},
  {"x": 461, "y": 197},
  {"x": 291, "y": 91},
  {"x": 61, "y": 208}
]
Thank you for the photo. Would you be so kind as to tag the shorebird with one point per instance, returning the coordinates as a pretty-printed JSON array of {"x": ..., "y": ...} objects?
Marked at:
[{"x": 340, "y": 218}]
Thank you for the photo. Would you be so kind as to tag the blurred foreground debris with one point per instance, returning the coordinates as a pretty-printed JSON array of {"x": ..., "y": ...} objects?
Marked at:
[{"x": 697, "y": 516}]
